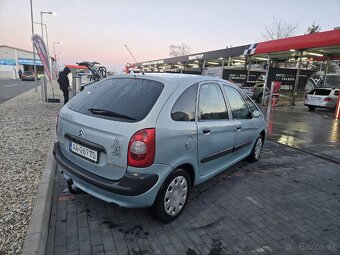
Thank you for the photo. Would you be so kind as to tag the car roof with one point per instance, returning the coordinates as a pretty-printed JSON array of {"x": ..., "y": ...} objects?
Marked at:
[{"x": 170, "y": 77}]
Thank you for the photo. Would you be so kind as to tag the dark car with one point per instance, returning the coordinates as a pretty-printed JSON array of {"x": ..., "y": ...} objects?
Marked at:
[{"x": 27, "y": 76}]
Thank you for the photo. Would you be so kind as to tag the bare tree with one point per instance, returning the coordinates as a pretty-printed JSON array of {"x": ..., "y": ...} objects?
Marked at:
[
  {"x": 279, "y": 29},
  {"x": 313, "y": 29},
  {"x": 179, "y": 50}
]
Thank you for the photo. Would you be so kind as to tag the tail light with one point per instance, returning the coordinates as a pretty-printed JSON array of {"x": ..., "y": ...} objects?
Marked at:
[
  {"x": 141, "y": 151},
  {"x": 328, "y": 99}
]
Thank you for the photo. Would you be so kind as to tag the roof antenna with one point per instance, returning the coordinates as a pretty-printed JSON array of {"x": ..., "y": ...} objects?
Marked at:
[{"x": 135, "y": 60}]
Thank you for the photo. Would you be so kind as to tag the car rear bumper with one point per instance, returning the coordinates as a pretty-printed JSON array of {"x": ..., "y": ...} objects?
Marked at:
[
  {"x": 133, "y": 190},
  {"x": 27, "y": 79},
  {"x": 324, "y": 105}
]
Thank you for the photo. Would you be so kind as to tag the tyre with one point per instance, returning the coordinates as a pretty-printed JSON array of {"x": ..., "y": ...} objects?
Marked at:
[
  {"x": 256, "y": 151},
  {"x": 172, "y": 196},
  {"x": 311, "y": 108}
]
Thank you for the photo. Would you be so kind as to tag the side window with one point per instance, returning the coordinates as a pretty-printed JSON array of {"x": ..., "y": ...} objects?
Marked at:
[
  {"x": 239, "y": 107},
  {"x": 185, "y": 107},
  {"x": 211, "y": 103},
  {"x": 251, "y": 104}
]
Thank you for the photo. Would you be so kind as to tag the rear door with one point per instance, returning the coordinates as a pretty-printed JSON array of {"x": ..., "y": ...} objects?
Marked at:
[{"x": 216, "y": 131}]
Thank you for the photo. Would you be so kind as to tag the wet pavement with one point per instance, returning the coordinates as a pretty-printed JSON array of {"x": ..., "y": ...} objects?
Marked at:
[
  {"x": 287, "y": 203},
  {"x": 315, "y": 132}
]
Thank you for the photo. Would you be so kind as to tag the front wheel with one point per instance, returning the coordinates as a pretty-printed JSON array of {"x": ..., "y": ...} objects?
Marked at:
[
  {"x": 257, "y": 150},
  {"x": 172, "y": 196}
]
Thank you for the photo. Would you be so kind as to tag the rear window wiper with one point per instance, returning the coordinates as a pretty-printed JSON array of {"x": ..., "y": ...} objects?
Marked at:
[{"x": 109, "y": 113}]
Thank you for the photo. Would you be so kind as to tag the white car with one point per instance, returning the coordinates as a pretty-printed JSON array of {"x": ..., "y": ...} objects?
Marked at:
[{"x": 322, "y": 98}]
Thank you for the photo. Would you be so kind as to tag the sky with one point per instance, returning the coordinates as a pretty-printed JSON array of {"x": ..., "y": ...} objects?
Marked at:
[{"x": 97, "y": 30}]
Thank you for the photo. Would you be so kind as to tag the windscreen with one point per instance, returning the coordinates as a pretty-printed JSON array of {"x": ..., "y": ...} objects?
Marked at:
[{"x": 123, "y": 99}]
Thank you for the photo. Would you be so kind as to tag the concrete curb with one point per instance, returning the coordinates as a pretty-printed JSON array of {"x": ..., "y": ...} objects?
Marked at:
[{"x": 37, "y": 232}]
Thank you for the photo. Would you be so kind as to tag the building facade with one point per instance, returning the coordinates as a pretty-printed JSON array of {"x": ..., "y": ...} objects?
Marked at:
[{"x": 14, "y": 59}]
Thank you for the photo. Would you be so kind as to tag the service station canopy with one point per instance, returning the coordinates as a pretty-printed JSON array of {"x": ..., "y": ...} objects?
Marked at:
[{"x": 319, "y": 46}]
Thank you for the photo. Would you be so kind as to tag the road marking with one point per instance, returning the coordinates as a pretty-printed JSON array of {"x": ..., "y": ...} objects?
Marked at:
[{"x": 12, "y": 85}]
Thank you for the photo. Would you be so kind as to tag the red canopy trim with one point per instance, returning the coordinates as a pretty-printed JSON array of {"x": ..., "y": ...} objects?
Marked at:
[
  {"x": 76, "y": 67},
  {"x": 335, "y": 57},
  {"x": 316, "y": 40}
]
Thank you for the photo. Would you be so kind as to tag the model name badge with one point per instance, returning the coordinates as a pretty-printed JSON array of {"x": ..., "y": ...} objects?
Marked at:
[{"x": 113, "y": 164}]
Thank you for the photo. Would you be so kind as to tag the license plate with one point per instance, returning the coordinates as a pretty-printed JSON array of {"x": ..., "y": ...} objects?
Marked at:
[
  {"x": 315, "y": 98},
  {"x": 85, "y": 152}
]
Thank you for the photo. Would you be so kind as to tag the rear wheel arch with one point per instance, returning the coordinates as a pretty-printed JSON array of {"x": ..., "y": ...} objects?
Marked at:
[{"x": 189, "y": 168}]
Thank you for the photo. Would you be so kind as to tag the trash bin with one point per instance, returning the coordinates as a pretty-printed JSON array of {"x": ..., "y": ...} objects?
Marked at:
[{"x": 76, "y": 82}]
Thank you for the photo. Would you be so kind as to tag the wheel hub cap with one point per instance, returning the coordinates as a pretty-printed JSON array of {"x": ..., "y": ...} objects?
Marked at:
[
  {"x": 258, "y": 148},
  {"x": 175, "y": 195}
]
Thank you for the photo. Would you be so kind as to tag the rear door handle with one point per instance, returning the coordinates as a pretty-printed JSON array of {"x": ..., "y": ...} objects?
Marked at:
[
  {"x": 238, "y": 128},
  {"x": 206, "y": 130}
]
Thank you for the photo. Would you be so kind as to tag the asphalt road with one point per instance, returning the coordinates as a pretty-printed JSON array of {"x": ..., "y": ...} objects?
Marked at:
[{"x": 12, "y": 88}]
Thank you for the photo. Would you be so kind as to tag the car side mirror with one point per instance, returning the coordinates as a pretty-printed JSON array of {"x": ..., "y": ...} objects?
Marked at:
[{"x": 256, "y": 114}]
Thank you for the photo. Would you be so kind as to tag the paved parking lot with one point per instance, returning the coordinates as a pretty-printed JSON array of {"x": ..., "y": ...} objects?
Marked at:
[{"x": 287, "y": 203}]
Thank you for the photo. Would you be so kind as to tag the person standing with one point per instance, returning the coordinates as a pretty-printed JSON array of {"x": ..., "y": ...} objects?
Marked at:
[
  {"x": 20, "y": 73},
  {"x": 64, "y": 83}
]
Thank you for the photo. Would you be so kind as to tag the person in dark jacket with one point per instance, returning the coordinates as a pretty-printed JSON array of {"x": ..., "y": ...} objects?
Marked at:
[
  {"x": 64, "y": 83},
  {"x": 20, "y": 73}
]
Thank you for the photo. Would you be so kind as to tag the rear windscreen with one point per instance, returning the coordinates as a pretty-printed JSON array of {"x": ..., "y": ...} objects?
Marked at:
[
  {"x": 320, "y": 92},
  {"x": 122, "y": 99}
]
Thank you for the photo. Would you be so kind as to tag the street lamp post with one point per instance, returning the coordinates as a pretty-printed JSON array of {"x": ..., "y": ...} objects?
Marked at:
[
  {"x": 41, "y": 20},
  {"x": 35, "y": 68},
  {"x": 55, "y": 56},
  {"x": 42, "y": 35}
]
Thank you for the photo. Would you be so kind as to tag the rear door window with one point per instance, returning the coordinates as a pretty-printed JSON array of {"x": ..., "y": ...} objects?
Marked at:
[{"x": 123, "y": 99}]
